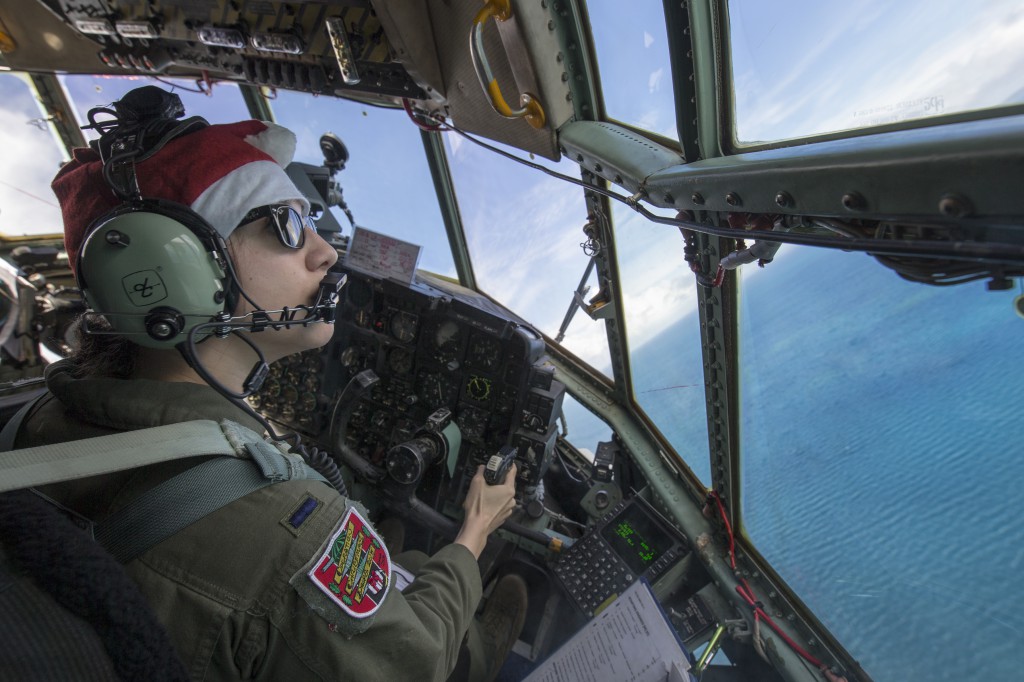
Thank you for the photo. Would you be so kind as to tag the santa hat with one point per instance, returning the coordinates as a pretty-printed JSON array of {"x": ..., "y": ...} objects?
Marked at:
[{"x": 221, "y": 172}]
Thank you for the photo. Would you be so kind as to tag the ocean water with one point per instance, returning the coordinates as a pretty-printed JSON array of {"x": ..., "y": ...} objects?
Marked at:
[{"x": 883, "y": 472}]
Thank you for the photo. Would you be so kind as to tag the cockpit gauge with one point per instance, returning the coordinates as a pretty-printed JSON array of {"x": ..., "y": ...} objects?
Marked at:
[
  {"x": 435, "y": 389},
  {"x": 358, "y": 291},
  {"x": 446, "y": 341},
  {"x": 484, "y": 352},
  {"x": 472, "y": 421},
  {"x": 362, "y": 318},
  {"x": 349, "y": 357},
  {"x": 446, "y": 334},
  {"x": 478, "y": 388},
  {"x": 404, "y": 326},
  {"x": 400, "y": 360}
]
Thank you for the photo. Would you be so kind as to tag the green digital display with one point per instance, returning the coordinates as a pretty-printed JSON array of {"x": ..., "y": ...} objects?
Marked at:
[{"x": 636, "y": 538}]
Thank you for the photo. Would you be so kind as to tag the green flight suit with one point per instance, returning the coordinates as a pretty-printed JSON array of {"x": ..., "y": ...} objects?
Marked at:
[{"x": 232, "y": 589}]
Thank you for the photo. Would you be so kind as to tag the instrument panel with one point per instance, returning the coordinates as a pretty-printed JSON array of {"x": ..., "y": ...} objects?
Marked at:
[{"x": 433, "y": 344}]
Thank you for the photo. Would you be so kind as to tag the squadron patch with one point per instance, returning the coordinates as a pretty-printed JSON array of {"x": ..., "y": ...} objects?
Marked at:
[{"x": 355, "y": 568}]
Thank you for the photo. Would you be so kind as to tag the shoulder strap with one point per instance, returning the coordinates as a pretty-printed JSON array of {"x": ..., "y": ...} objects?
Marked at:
[
  {"x": 59, "y": 462},
  {"x": 246, "y": 464},
  {"x": 179, "y": 502}
]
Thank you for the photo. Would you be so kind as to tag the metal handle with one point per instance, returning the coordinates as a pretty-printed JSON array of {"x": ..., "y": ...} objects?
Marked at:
[{"x": 529, "y": 107}]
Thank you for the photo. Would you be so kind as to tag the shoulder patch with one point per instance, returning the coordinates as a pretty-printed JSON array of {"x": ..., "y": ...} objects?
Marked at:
[{"x": 354, "y": 569}]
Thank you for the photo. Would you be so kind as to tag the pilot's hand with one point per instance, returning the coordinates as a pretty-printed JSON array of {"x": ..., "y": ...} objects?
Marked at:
[{"x": 487, "y": 507}]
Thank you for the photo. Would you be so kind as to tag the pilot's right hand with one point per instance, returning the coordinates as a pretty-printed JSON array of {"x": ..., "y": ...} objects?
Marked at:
[{"x": 487, "y": 507}]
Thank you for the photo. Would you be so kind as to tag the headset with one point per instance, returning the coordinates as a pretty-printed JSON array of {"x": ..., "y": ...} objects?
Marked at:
[{"x": 156, "y": 270}]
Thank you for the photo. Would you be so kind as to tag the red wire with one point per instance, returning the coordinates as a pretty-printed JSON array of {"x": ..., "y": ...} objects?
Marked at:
[
  {"x": 748, "y": 595},
  {"x": 728, "y": 528},
  {"x": 719, "y": 277},
  {"x": 429, "y": 127}
]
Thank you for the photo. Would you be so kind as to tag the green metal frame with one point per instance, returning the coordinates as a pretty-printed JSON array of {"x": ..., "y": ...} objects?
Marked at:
[
  {"x": 440, "y": 172},
  {"x": 257, "y": 103},
  {"x": 59, "y": 110}
]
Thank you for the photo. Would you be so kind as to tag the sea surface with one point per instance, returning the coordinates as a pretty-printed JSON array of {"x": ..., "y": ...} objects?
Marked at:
[{"x": 883, "y": 472}]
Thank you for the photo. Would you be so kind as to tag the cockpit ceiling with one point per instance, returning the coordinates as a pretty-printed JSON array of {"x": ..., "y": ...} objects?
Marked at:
[{"x": 379, "y": 50}]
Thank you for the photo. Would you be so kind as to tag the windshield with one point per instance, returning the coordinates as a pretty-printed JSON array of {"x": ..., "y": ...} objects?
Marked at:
[
  {"x": 32, "y": 156},
  {"x": 881, "y": 465},
  {"x": 526, "y": 241},
  {"x": 659, "y": 296},
  {"x": 806, "y": 67},
  {"x": 386, "y": 182},
  {"x": 632, "y": 54}
]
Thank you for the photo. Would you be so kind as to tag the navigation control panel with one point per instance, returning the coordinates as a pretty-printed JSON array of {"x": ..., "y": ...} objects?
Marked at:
[
  {"x": 432, "y": 344},
  {"x": 629, "y": 543}
]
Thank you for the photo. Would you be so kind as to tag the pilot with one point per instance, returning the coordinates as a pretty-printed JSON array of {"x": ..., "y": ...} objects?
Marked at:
[{"x": 244, "y": 592}]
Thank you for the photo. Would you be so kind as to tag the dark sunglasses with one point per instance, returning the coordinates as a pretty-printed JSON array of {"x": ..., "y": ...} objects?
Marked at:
[{"x": 289, "y": 224}]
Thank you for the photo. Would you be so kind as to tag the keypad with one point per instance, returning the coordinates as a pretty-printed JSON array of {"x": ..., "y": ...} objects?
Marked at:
[{"x": 591, "y": 572}]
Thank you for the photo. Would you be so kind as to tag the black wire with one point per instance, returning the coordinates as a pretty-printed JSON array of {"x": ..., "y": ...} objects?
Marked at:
[
  {"x": 198, "y": 89},
  {"x": 193, "y": 358},
  {"x": 187, "y": 350},
  {"x": 953, "y": 250}
]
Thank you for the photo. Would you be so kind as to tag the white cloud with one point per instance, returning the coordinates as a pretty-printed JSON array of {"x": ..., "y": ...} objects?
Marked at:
[
  {"x": 31, "y": 159},
  {"x": 654, "y": 81},
  {"x": 455, "y": 143},
  {"x": 648, "y": 39},
  {"x": 835, "y": 77}
]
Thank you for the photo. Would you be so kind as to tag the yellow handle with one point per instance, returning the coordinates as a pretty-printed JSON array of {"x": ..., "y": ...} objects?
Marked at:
[{"x": 529, "y": 107}]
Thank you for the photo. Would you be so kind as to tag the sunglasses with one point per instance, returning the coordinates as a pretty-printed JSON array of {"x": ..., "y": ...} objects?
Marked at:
[{"x": 289, "y": 224}]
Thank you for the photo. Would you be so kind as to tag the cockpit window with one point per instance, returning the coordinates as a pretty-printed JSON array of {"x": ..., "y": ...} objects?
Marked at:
[
  {"x": 32, "y": 156},
  {"x": 806, "y": 67},
  {"x": 881, "y": 459},
  {"x": 526, "y": 241},
  {"x": 386, "y": 182},
  {"x": 223, "y": 105},
  {"x": 633, "y": 59},
  {"x": 663, "y": 328}
]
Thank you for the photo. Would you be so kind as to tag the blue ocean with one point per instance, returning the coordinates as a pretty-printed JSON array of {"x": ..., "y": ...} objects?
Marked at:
[{"x": 882, "y": 465}]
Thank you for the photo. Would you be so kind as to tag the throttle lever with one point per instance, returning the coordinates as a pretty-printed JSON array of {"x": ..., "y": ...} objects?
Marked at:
[{"x": 499, "y": 464}]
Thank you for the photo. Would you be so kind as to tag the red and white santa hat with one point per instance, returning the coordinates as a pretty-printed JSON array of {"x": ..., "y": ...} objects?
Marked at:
[{"x": 221, "y": 172}]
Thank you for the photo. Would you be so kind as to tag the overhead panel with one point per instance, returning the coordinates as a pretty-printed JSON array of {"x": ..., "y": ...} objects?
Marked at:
[
  {"x": 327, "y": 48},
  {"x": 376, "y": 50}
]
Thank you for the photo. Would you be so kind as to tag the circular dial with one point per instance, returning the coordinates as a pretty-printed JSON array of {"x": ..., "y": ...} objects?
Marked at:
[
  {"x": 472, "y": 421},
  {"x": 446, "y": 341},
  {"x": 358, "y": 292},
  {"x": 362, "y": 318},
  {"x": 403, "y": 326},
  {"x": 478, "y": 388},
  {"x": 484, "y": 352},
  {"x": 400, "y": 360},
  {"x": 349, "y": 357},
  {"x": 435, "y": 389}
]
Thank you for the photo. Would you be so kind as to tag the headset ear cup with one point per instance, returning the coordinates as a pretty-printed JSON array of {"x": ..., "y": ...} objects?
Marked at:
[
  {"x": 154, "y": 270},
  {"x": 163, "y": 324}
]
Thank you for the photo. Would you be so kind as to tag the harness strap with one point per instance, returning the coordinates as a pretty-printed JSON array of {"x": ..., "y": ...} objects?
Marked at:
[
  {"x": 176, "y": 504},
  {"x": 59, "y": 462}
]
